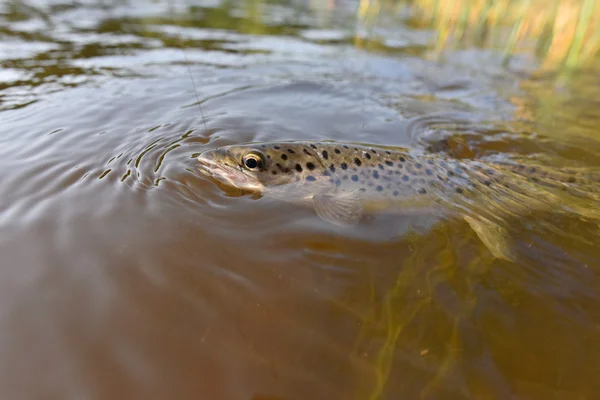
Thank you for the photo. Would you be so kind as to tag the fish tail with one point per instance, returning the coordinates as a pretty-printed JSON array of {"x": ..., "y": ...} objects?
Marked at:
[
  {"x": 517, "y": 189},
  {"x": 584, "y": 184}
]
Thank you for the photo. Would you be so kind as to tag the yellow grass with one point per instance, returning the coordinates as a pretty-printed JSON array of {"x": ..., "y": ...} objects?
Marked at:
[{"x": 558, "y": 32}]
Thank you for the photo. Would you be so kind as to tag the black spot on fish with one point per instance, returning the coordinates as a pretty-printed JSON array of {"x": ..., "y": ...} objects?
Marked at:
[
  {"x": 326, "y": 173},
  {"x": 357, "y": 161},
  {"x": 274, "y": 172},
  {"x": 402, "y": 159},
  {"x": 422, "y": 191},
  {"x": 263, "y": 146},
  {"x": 338, "y": 182},
  {"x": 313, "y": 146},
  {"x": 379, "y": 188},
  {"x": 368, "y": 156},
  {"x": 535, "y": 179},
  {"x": 430, "y": 162},
  {"x": 332, "y": 168},
  {"x": 450, "y": 173},
  {"x": 298, "y": 168},
  {"x": 380, "y": 166},
  {"x": 387, "y": 152},
  {"x": 337, "y": 151},
  {"x": 405, "y": 178},
  {"x": 284, "y": 156},
  {"x": 571, "y": 179},
  {"x": 356, "y": 149},
  {"x": 532, "y": 169},
  {"x": 276, "y": 147},
  {"x": 490, "y": 171},
  {"x": 306, "y": 152},
  {"x": 400, "y": 166},
  {"x": 325, "y": 154},
  {"x": 459, "y": 190},
  {"x": 373, "y": 151},
  {"x": 429, "y": 172},
  {"x": 344, "y": 146},
  {"x": 310, "y": 178},
  {"x": 355, "y": 178},
  {"x": 344, "y": 165},
  {"x": 290, "y": 151},
  {"x": 310, "y": 166},
  {"x": 418, "y": 165},
  {"x": 396, "y": 193},
  {"x": 389, "y": 163},
  {"x": 487, "y": 183},
  {"x": 375, "y": 174}
]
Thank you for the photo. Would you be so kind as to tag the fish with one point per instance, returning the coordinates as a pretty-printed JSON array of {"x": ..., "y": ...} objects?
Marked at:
[{"x": 343, "y": 181}]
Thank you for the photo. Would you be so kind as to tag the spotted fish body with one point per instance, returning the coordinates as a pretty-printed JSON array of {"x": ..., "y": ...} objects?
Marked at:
[{"x": 342, "y": 180}]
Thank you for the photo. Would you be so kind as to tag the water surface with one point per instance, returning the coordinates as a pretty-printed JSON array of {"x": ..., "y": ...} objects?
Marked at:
[{"x": 127, "y": 273}]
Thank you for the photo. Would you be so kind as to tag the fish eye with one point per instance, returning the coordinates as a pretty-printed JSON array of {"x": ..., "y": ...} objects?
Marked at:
[{"x": 253, "y": 161}]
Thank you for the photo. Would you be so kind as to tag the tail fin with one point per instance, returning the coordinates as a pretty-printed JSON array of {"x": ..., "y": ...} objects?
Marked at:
[
  {"x": 570, "y": 190},
  {"x": 581, "y": 183}
]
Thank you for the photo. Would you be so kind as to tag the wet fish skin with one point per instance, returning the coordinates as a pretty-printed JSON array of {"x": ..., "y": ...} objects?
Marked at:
[
  {"x": 383, "y": 175},
  {"x": 342, "y": 180},
  {"x": 315, "y": 168}
]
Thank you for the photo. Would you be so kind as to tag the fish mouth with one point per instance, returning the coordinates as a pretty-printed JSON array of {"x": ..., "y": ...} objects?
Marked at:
[
  {"x": 212, "y": 168},
  {"x": 223, "y": 173},
  {"x": 208, "y": 166}
]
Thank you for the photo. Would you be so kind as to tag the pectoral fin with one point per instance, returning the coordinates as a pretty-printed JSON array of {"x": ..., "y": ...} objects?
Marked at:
[
  {"x": 342, "y": 209},
  {"x": 492, "y": 235}
]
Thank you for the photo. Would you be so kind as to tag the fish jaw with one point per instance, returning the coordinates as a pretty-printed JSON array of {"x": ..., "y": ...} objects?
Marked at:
[{"x": 220, "y": 165}]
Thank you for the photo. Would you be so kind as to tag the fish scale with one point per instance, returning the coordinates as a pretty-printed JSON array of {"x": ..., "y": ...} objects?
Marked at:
[
  {"x": 343, "y": 180},
  {"x": 387, "y": 173}
]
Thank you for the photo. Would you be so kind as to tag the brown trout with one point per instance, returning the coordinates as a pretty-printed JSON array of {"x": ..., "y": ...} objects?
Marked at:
[{"x": 342, "y": 181}]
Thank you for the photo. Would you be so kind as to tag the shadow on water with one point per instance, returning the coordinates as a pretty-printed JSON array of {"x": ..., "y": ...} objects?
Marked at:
[{"x": 124, "y": 271}]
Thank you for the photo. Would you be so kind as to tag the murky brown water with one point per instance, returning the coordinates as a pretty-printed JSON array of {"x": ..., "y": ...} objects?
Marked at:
[{"x": 125, "y": 273}]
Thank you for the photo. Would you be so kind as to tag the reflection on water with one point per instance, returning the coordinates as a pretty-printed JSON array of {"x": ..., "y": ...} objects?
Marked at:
[{"x": 127, "y": 273}]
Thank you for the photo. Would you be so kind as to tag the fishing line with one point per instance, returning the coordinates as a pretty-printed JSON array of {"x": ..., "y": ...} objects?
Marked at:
[{"x": 187, "y": 64}]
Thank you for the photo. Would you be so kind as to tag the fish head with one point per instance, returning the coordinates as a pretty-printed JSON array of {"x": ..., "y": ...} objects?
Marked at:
[{"x": 258, "y": 167}]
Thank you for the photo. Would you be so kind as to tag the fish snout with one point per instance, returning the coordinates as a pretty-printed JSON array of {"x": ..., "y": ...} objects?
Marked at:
[{"x": 211, "y": 157}]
